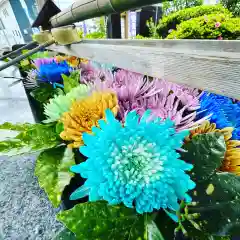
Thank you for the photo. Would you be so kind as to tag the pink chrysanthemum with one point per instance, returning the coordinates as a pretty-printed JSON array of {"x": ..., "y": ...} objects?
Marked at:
[
  {"x": 179, "y": 103},
  {"x": 217, "y": 24},
  {"x": 166, "y": 100},
  {"x": 89, "y": 73},
  {"x": 39, "y": 61}
]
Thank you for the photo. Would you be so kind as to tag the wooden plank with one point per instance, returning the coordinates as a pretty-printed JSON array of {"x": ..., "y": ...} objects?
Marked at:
[{"x": 205, "y": 64}]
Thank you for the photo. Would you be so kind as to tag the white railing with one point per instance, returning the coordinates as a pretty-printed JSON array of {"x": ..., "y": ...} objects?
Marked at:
[{"x": 205, "y": 64}]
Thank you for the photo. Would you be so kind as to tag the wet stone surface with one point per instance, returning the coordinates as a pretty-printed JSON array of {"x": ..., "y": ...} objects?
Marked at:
[{"x": 25, "y": 210}]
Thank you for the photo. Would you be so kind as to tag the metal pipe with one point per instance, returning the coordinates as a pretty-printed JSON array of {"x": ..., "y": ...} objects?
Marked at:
[
  {"x": 85, "y": 9},
  {"x": 126, "y": 28},
  {"x": 23, "y": 56},
  {"x": 18, "y": 50}
]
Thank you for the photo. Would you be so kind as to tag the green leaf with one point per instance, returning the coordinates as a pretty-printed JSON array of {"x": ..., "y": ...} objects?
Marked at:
[
  {"x": 59, "y": 127},
  {"x": 206, "y": 153},
  {"x": 25, "y": 62},
  {"x": 52, "y": 170},
  {"x": 44, "y": 54},
  {"x": 15, "y": 127},
  {"x": 65, "y": 235},
  {"x": 58, "y": 91},
  {"x": 197, "y": 235},
  {"x": 215, "y": 209},
  {"x": 100, "y": 221},
  {"x": 166, "y": 225},
  {"x": 36, "y": 138},
  {"x": 209, "y": 237},
  {"x": 44, "y": 92},
  {"x": 218, "y": 202},
  {"x": 152, "y": 231},
  {"x": 71, "y": 81}
]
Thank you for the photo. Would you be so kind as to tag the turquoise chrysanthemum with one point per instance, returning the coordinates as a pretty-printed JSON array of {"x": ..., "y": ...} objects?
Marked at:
[
  {"x": 136, "y": 164},
  {"x": 62, "y": 103}
]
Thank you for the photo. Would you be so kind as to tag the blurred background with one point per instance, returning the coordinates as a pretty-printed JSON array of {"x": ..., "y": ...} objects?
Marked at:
[{"x": 17, "y": 17}]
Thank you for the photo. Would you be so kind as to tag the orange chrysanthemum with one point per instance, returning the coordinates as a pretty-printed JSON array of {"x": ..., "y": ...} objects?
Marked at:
[
  {"x": 231, "y": 161},
  {"x": 61, "y": 58},
  {"x": 84, "y": 114},
  {"x": 72, "y": 60}
]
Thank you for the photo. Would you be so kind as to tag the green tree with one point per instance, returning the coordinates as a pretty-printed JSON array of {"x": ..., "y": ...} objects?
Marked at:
[
  {"x": 100, "y": 29},
  {"x": 176, "y": 5},
  {"x": 170, "y": 22},
  {"x": 233, "y": 6},
  {"x": 213, "y": 26},
  {"x": 101, "y": 26}
]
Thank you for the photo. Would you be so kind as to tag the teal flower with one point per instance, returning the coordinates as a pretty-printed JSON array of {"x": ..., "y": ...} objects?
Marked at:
[
  {"x": 136, "y": 164},
  {"x": 62, "y": 103}
]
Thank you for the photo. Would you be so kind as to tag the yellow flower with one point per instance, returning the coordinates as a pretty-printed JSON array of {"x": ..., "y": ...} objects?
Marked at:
[
  {"x": 231, "y": 161},
  {"x": 84, "y": 114},
  {"x": 82, "y": 60},
  {"x": 73, "y": 61},
  {"x": 61, "y": 58}
]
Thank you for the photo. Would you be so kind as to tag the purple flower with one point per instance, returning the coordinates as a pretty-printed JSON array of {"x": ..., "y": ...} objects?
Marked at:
[
  {"x": 177, "y": 102},
  {"x": 166, "y": 100},
  {"x": 39, "y": 61},
  {"x": 90, "y": 73}
]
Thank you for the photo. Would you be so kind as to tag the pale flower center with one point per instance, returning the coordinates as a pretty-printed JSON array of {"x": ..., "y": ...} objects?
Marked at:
[{"x": 138, "y": 163}]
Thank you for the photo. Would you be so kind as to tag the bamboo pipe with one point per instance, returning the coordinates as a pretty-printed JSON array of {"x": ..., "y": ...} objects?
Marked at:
[
  {"x": 23, "y": 56},
  {"x": 85, "y": 9},
  {"x": 18, "y": 50}
]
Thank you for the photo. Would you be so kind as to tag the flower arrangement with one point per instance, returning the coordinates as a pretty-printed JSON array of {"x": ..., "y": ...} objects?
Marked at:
[
  {"x": 152, "y": 159},
  {"x": 48, "y": 75}
]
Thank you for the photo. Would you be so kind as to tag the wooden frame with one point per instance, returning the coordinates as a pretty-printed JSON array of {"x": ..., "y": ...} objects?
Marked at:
[{"x": 205, "y": 64}]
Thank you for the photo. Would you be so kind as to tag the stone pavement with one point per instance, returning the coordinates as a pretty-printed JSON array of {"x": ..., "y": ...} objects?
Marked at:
[
  {"x": 14, "y": 105},
  {"x": 25, "y": 211}
]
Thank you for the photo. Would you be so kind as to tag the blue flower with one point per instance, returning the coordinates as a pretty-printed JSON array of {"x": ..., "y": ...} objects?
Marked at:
[
  {"x": 51, "y": 72},
  {"x": 136, "y": 164},
  {"x": 224, "y": 113}
]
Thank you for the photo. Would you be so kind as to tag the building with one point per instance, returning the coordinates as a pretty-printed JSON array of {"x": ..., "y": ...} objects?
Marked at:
[
  {"x": 10, "y": 32},
  {"x": 16, "y": 17}
]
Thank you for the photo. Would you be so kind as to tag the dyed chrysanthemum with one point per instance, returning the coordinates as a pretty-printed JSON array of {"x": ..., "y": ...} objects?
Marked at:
[
  {"x": 90, "y": 72},
  {"x": 60, "y": 58},
  {"x": 84, "y": 114},
  {"x": 31, "y": 81},
  {"x": 224, "y": 112},
  {"x": 52, "y": 72},
  {"x": 165, "y": 99},
  {"x": 41, "y": 61},
  {"x": 130, "y": 88},
  {"x": 231, "y": 162},
  {"x": 71, "y": 60},
  {"x": 207, "y": 127},
  {"x": 177, "y": 102},
  {"x": 135, "y": 164},
  {"x": 62, "y": 103}
]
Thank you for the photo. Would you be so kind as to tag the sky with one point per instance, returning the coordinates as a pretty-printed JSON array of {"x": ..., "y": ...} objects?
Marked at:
[{"x": 62, "y": 4}]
